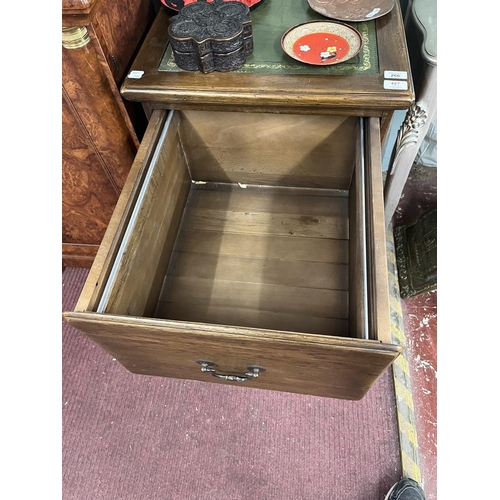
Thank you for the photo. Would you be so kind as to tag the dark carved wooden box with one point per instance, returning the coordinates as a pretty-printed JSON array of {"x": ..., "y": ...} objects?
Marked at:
[{"x": 214, "y": 36}]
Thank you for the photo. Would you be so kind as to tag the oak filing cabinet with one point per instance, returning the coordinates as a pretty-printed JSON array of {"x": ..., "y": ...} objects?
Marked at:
[{"x": 248, "y": 243}]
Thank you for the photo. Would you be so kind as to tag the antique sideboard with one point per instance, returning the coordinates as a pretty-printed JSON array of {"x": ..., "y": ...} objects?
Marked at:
[
  {"x": 101, "y": 132},
  {"x": 248, "y": 244}
]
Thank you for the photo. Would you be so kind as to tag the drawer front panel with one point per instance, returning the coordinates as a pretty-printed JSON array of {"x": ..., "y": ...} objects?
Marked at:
[{"x": 305, "y": 364}]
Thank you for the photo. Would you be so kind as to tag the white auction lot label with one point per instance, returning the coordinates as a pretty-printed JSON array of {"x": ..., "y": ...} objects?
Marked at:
[
  {"x": 396, "y": 75},
  {"x": 135, "y": 74},
  {"x": 395, "y": 85}
]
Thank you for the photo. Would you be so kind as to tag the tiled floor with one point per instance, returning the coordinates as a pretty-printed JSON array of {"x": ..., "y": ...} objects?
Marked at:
[{"x": 420, "y": 325}]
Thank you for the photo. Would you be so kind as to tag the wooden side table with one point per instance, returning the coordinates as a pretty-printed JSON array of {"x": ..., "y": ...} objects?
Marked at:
[{"x": 421, "y": 114}]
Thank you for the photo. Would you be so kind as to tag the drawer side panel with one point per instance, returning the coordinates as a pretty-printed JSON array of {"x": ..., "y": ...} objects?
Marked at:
[
  {"x": 145, "y": 255},
  {"x": 377, "y": 263},
  {"x": 369, "y": 311},
  {"x": 106, "y": 254},
  {"x": 357, "y": 249}
]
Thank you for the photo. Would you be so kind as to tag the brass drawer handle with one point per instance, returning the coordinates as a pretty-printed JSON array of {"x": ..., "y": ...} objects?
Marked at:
[{"x": 249, "y": 375}]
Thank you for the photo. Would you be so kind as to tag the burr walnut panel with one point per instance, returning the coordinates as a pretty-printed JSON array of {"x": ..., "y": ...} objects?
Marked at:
[
  {"x": 100, "y": 131},
  {"x": 89, "y": 196},
  {"x": 118, "y": 34},
  {"x": 91, "y": 98}
]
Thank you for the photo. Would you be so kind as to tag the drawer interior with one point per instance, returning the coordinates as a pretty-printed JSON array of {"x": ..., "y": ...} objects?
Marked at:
[
  {"x": 250, "y": 220},
  {"x": 272, "y": 258}
]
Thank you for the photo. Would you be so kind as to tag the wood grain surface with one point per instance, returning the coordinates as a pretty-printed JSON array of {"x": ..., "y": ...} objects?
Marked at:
[
  {"x": 100, "y": 118},
  {"x": 120, "y": 28},
  {"x": 272, "y": 282},
  {"x": 259, "y": 246},
  {"x": 79, "y": 255},
  {"x": 89, "y": 194},
  {"x": 78, "y": 12},
  {"x": 97, "y": 153},
  {"x": 378, "y": 297},
  {"x": 307, "y": 364},
  {"x": 357, "y": 247},
  {"x": 153, "y": 231},
  {"x": 269, "y": 149},
  {"x": 103, "y": 263}
]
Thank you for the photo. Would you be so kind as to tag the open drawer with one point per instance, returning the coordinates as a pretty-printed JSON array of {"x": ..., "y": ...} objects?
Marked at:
[{"x": 248, "y": 248}]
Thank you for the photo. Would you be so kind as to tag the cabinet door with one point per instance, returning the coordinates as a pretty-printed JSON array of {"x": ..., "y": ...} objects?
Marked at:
[
  {"x": 89, "y": 196},
  {"x": 98, "y": 150},
  {"x": 120, "y": 28},
  {"x": 119, "y": 39}
]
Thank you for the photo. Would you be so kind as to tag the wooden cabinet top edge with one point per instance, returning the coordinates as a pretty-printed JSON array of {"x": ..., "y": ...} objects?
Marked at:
[{"x": 278, "y": 91}]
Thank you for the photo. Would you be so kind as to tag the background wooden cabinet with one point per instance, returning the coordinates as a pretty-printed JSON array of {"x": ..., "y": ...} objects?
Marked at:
[{"x": 101, "y": 132}]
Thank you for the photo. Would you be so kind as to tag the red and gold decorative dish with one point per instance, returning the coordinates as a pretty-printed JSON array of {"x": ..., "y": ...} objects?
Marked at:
[
  {"x": 322, "y": 43},
  {"x": 178, "y": 4}
]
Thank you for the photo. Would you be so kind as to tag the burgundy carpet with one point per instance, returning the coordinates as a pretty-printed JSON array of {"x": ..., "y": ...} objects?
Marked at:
[{"x": 134, "y": 437}]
